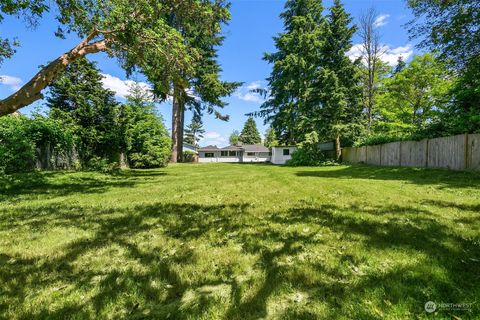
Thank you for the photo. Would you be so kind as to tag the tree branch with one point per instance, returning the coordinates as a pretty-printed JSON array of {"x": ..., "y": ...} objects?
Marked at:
[{"x": 31, "y": 91}]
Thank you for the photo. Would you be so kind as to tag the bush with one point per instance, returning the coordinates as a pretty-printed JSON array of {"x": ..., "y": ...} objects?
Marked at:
[
  {"x": 17, "y": 148},
  {"x": 20, "y": 136},
  {"x": 189, "y": 156},
  {"x": 308, "y": 153},
  {"x": 102, "y": 165}
]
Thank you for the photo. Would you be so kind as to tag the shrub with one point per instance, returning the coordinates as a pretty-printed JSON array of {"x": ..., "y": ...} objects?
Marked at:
[
  {"x": 308, "y": 153},
  {"x": 17, "y": 148},
  {"x": 189, "y": 156},
  {"x": 20, "y": 136}
]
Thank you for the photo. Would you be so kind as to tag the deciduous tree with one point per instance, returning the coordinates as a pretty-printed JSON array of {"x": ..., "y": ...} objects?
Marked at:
[{"x": 142, "y": 34}]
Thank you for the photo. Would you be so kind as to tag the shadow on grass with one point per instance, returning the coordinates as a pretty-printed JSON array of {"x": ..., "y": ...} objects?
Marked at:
[
  {"x": 61, "y": 183},
  {"x": 144, "y": 278},
  {"x": 447, "y": 178}
]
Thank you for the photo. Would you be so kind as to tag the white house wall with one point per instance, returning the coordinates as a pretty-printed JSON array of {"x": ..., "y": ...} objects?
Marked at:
[
  {"x": 258, "y": 157},
  {"x": 278, "y": 157}
]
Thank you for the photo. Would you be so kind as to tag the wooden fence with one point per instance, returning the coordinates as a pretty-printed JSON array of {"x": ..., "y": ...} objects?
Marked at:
[{"x": 461, "y": 152}]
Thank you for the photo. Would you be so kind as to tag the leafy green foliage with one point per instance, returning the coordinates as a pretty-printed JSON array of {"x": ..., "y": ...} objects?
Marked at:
[
  {"x": 78, "y": 99},
  {"x": 313, "y": 84},
  {"x": 308, "y": 153},
  {"x": 294, "y": 71},
  {"x": 20, "y": 136},
  {"x": 414, "y": 97},
  {"x": 452, "y": 29},
  {"x": 234, "y": 137},
  {"x": 250, "y": 134},
  {"x": 145, "y": 138},
  {"x": 270, "y": 138},
  {"x": 194, "y": 131}
]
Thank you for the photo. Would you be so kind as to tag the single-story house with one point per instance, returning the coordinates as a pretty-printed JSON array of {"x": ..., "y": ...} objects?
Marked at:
[
  {"x": 237, "y": 153},
  {"x": 281, "y": 154}
]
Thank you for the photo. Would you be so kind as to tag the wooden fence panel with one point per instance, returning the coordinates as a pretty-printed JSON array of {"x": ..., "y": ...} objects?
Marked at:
[
  {"x": 414, "y": 153},
  {"x": 362, "y": 154},
  {"x": 447, "y": 152},
  {"x": 348, "y": 155},
  {"x": 391, "y": 154},
  {"x": 374, "y": 155},
  {"x": 473, "y": 157}
]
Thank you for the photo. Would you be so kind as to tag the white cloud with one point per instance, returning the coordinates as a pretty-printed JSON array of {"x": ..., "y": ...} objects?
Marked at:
[
  {"x": 13, "y": 83},
  {"x": 390, "y": 55},
  {"x": 245, "y": 92},
  {"x": 381, "y": 20},
  {"x": 119, "y": 86},
  {"x": 213, "y": 138}
]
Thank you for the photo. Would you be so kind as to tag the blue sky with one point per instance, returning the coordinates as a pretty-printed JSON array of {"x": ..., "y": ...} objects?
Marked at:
[{"x": 248, "y": 36}]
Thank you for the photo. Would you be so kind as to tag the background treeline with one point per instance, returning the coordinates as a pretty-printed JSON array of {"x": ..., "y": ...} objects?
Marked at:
[
  {"x": 85, "y": 128},
  {"x": 317, "y": 93}
]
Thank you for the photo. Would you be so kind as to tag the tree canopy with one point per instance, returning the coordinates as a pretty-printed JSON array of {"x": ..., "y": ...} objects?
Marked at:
[
  {"x": 250, "y": 134},
  {"x": 144, "y": 35}
]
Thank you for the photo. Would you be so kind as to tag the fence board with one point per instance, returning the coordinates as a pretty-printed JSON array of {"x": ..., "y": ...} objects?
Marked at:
[
  {"x": 391, "y": 154},
  {"x": 447, "y": 152},
  {"x": 374, "y": 155},
  {"x": 414, "y": 153},
  {"x": 362, "y": 154},
  {"x": 456, "y": 152},
  {"x": 473, "y": 161}
]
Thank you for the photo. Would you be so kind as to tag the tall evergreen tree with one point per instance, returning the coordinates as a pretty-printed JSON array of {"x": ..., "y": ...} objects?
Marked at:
[
  {"x": 270, "y": 138},
  {"x": 338, "y": 91},
  {"x": 294, "y": 70},
  {"x": 199, "y": 87},
  {"x": 145, "y": 140},
  {"x": 234, "y": 136},
  {"x": 194, "y": 131},
  {"x": 78, "y": 99},
  {"x": 250, "y": 134}
]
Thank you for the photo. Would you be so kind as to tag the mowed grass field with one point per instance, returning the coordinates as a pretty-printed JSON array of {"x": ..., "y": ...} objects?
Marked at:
[{"x": 232, "y": 241}]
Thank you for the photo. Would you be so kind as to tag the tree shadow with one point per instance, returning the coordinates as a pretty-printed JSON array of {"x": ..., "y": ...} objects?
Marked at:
[
  {"x": 149, "y": 246},
  {"x": 53, "y": 184},
  {"x": 420, "y": 176}
]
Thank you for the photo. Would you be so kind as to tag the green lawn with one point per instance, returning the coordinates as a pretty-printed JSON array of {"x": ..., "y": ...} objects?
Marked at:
[{"x": 232, "y": 241}]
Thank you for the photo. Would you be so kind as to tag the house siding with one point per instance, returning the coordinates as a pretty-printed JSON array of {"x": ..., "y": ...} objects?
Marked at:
[{"x": 278, "y": 157}]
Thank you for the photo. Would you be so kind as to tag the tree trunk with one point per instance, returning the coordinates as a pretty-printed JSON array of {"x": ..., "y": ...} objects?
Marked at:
[
  {"x": 338, "y": 147},
  {"x": 178, "y": 114},
  {"x": 31, "y": 91}
]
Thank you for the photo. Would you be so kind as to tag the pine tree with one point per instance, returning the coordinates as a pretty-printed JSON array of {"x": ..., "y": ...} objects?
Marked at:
[
  {"x": 294, "y": 70},
  {"x": 194, "y": 131},
  {"x": 201, "y": 89},
  {"x": 145, "y": 139},
  {"x": 270, "y": 138},
  {"x": 338, "y": 90},
  {"x": 400, "y": 65},
  {"x": 250, "y": 134},
  {"x": 234, "y": 136},
  {"x": 78, "y": 99}
]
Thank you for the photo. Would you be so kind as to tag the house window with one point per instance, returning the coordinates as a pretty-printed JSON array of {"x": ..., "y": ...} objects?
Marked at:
[
  {"x": 209, "y": 155},
  {"x": 286, "y": 152},
  {"x": 224, "y": 153},
  {"x": 251, "y": 154},
  {"x": 232, "y": 153}
]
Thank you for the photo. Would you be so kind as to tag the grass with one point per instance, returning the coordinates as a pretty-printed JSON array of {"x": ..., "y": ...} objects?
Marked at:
[{"x": 232, "y": 241}]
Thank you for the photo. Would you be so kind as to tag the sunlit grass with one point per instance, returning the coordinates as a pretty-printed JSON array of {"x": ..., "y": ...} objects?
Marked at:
[{"x": 231, "y": 241}]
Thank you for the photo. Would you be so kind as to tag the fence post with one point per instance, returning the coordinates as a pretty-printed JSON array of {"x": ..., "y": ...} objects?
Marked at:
[
  {"x": 466, "y": 151},
  {"x": 426, "y": 153}
]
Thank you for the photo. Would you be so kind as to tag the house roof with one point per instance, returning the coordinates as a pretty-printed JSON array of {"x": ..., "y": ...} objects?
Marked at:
[
  {"x": 209, "y": 148},
  {"x": 255, "y": 148},
  {"x": 232, "y": 148}
]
